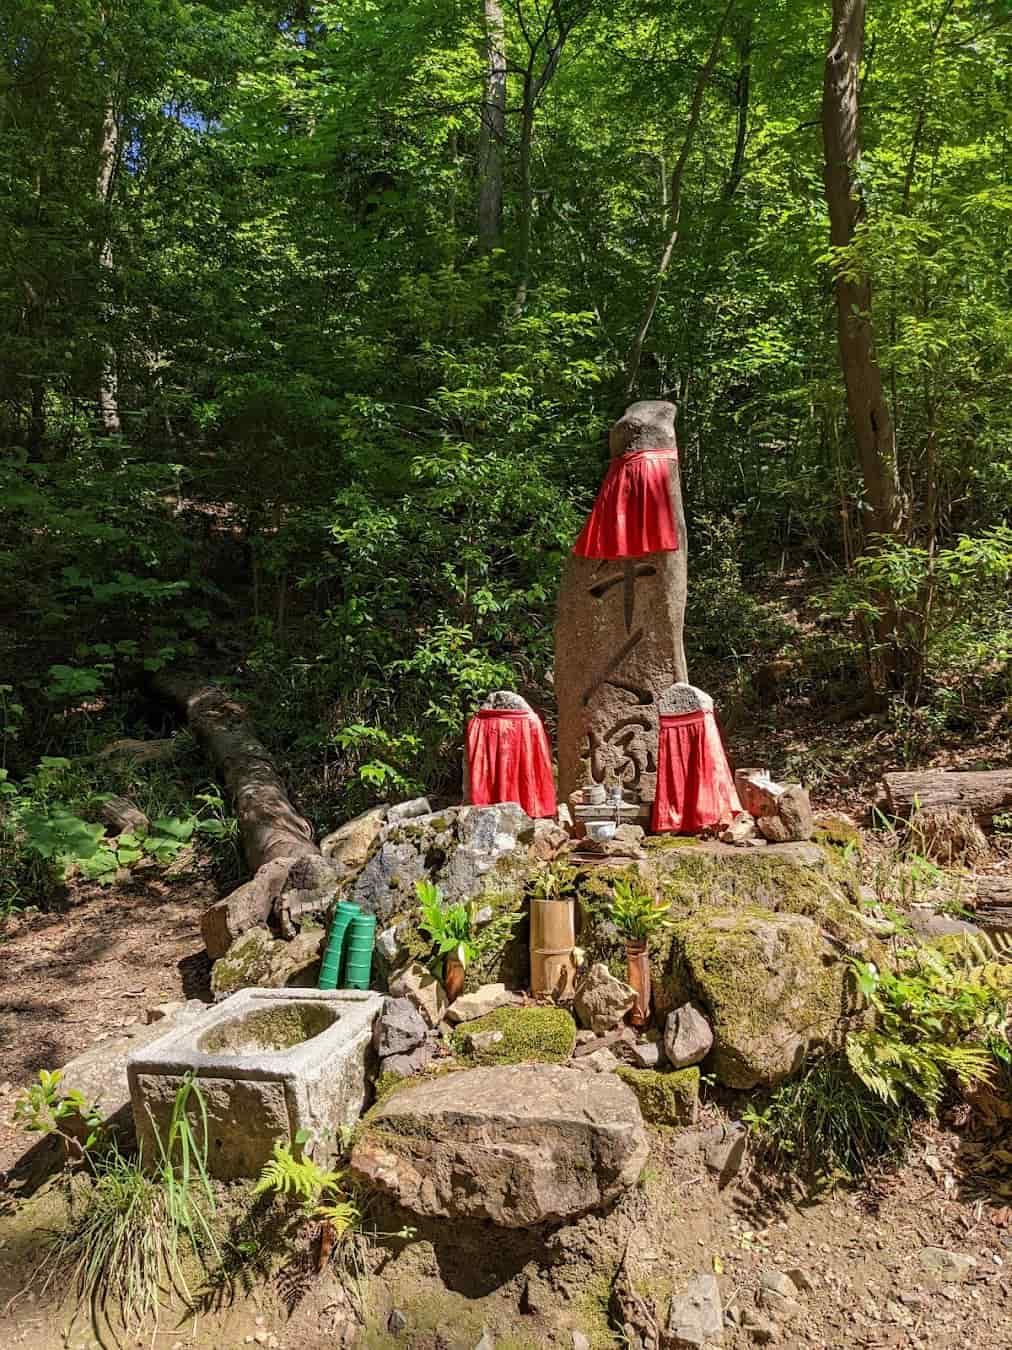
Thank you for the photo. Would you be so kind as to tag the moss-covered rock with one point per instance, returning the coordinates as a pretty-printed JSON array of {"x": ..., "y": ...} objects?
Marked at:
[
  {"x": 664, "y": 1098},
  {"x": 819, "y": 882},
  {"x": 774, "y": 987},
  {"x": 838, "y": 832},
  {"x": 245, "y": 963},
  {"x": 529, "y": 1035}
]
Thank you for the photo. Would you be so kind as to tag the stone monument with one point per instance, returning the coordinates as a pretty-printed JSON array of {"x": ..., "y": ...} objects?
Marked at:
[{"x": 618, "y": 634}]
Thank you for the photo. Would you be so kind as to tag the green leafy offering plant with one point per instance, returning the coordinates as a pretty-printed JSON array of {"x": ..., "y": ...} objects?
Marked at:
[
  {"x": 635, "y": 912},
  {"x": 554, "y": 881},
  {"x": 454, "y": 930},
  {"x": 451, "y": 930},
  {"x": 42, "y": 1106}
]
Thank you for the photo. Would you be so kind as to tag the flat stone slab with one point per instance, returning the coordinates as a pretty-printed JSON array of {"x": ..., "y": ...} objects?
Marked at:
[
  {"x": 269, "y": 1063},
  {"x": 520, "y": 1145}
]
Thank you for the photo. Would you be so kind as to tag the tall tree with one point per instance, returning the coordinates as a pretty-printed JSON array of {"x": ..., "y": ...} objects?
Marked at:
[
  {"x": 870, "y": 416},
  {"x": 672, "y": 202},
  {"x": 493, "y": 130},
  {"x": 108, "y": 160}
]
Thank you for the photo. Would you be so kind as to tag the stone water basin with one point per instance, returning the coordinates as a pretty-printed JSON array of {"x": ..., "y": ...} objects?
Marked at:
[{"x": 269, "y": 1062}]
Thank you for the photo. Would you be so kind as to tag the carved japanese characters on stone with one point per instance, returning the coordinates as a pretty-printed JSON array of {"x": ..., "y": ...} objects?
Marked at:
[{"x": 619, "y": 630}]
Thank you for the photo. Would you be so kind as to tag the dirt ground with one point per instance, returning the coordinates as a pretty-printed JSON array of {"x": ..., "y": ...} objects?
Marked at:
[
  {"x": 858, "y": 1253},
  {"x": 67, "y": 978}
]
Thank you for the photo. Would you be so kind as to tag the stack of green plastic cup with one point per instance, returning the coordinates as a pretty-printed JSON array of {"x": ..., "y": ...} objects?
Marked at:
[
  {"x": 358, "y": 953},
  {"x": 330, "y": 969}
]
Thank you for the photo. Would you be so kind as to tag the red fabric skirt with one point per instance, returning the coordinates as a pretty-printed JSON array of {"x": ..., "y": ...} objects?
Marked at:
[
  {"x": 509, "y": 760},
  {"x": 632, "y": 514},
  {"x": 695, "y": 785}
]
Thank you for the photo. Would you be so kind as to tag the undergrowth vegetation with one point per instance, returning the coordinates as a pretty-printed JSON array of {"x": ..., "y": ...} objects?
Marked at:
[
  {"x": 51, "y": 826},
  {"x": 940, "y": 1029},
  {"x": 135, "y": 1226}
]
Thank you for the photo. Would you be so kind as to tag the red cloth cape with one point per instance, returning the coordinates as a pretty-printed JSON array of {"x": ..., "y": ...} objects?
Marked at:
[
  {"x": 509, "y": 760},
  {"x": 632, "y": 514},
  {"x": 695, "y": 786}
]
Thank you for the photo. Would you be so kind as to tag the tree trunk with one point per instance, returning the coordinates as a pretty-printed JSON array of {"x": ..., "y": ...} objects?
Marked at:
[
  {"x": 983, "y": 794},
  {"x": 870, "y": 417},
  {"x": 108, "y": 154},
  {"x": 526, "y": 197},
  {"x": 674, "y": 206},
  {"x": 269, "y": 824},
  {"x": 742, "y": 98},
  {"x": 493, "y": 131}
]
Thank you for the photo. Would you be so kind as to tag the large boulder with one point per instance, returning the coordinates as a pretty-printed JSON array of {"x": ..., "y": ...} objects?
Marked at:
[
  {"x": 519, "y": 1146},
  {"x": 350, "y": 844},
  {"x": 458, "y": 849},
  {"x": 774, "y": 987}
]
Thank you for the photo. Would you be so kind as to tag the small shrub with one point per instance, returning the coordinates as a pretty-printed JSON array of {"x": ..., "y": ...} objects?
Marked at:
[
  {"x": 936, "y": 1026},
  {"x": 826, "y": 1124}
]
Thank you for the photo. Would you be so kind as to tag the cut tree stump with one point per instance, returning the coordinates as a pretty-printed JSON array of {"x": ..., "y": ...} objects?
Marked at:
[
  {"x": 269, "y": 825},
  {"x": 983, "y": 794}
]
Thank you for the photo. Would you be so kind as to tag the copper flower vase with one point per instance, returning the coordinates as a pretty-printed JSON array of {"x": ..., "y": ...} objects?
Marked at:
[
  {"x": 638, "y": 966},
  {"x": 453, "y": 978}
]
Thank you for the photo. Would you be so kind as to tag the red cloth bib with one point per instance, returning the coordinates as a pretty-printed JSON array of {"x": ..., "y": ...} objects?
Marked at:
[
  {"x": 695, "y": 786},
  {"x": 509, "y": 760},
  {"x": 632, "y": 514}
]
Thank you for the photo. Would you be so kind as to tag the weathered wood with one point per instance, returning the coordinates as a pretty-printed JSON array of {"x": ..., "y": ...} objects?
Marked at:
[
  {"x": 269, "y": 825},
  {"x": 994, "y": 899},
  {"x": 246, "y": 907},
  {"x": 983, "y": 794},
  {"x": 123, "y": 815}
]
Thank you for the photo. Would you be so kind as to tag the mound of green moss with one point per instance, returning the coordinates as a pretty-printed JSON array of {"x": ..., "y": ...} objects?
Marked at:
[
  {"x": 664, "y": 1098},
  {"x": 529, "y": 1036}
]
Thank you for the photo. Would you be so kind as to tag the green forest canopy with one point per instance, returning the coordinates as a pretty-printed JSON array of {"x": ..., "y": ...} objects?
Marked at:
[{"x": 319, "y": 312}]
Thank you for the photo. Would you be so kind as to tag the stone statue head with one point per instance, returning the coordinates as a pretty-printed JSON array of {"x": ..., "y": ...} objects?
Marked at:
[
  {"x": 683, "y": 698},
  {"x": 647, "y": 425},
  {"x": 503, "y": 700}
]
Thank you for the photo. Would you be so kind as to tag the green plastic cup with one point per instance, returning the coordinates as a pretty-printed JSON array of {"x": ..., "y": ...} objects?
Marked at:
[
  {"x": 358, "y": 952},
  {"x": 330, "y": 966}
]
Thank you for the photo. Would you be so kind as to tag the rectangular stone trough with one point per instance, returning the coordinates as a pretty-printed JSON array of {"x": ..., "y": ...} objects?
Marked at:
[{"x": 269, "y": 1063}]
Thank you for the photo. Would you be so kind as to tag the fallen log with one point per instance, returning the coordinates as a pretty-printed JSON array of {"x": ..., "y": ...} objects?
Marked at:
[
  {"x": 269, "y": 825},
  {"x": 994, "y": 902},
  {"x": 984, "y": 794}
]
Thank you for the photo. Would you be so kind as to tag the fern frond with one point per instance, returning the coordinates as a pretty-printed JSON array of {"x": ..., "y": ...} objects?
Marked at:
[
  {"x": 301, "y": 1178},
  {"x": 343, "y": 1214}
]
